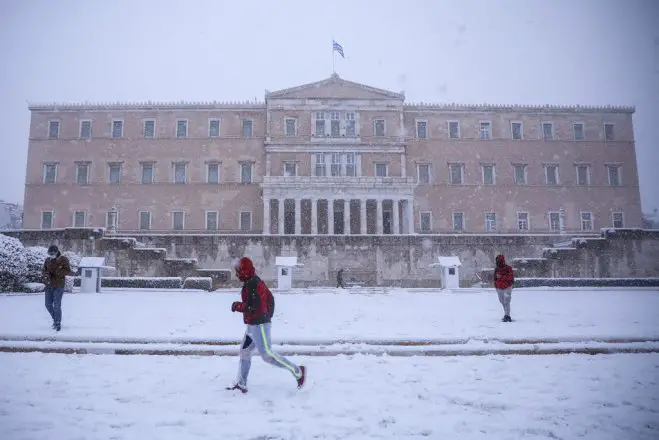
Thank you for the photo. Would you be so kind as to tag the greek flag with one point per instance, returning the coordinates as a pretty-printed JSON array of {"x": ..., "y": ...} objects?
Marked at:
[{"x": 337, "y": 47}]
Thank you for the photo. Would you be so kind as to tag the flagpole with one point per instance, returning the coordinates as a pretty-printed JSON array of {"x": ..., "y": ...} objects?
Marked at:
[{"x": 333, "y": 69}]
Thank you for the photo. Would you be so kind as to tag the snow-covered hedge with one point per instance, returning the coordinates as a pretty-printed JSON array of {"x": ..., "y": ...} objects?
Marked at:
[
  {"x": 13, "y": 264},
  {"x": 138, "y": 282},
  {"x": 586, "y": 282},
  {"x": 199, "y": 283},
  {"x": 36, "y": 256}
]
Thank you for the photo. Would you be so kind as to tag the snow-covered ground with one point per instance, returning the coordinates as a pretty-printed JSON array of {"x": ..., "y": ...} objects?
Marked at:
[
  {"x": 578, "y": 314},
  {"x": 58, "y": 397}
]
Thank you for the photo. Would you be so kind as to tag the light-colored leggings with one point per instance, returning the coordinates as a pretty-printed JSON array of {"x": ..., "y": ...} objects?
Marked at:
[
  {"x": 504, "y": 298},
  {"x": 258, "y": 336}
]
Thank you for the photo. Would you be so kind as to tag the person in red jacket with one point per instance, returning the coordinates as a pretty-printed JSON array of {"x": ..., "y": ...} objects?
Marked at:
[
  {"x": 257, "y": 307},
  {"x": 503, "y": 282}
]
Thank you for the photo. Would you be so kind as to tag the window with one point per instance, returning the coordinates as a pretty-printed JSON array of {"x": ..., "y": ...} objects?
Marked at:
[
  {"x": 47, "y": 220},
  {"x": 456, "y": 174},
  {"x": 291, "y": 126},
  {"x": 178, "y": 220},
  {"x": 213, "y": 173},
  {"x": 248, "y": 128},
  {"x": 79, "y": 218},
  {"x": 180, "y": 173},
  {"x": 213, "y": 128},
  {"x": 351, "y": 125},
  {"x": 490, "y": 221},
  {"x": 290, "y": 169},
  {"x": 421, "y": 129},
  {"x": 117, "y": 129},
  {"x": 245, "y": 173},
  {"x": 488, "y": 174},
  {"x": 378, "y": 128},
  {"x": 147, "y": 173},
  {"x": 111, "y": 220},
  {"x": 554, "y": 221},
  {"x": 458, "y": 221},
  {"x": 351, "y": 168},
  {"x": 181, "y": 128},
  {"x": 516, "y": 130},
  {"x": 453, "y": 130},
  {"x": 583, "y": 175},
  {"x": 245, "y": 221},
  {"x": 523, "y": 221},
  {"x": 85, "y": 129},
  {"x": 50, "y": 173},
  {"x": 423, "y": 173},
  {"x": 618, "y": 219},
  {"x": 579, "y": 134},
  {"x": 115, "y": 173},
  {"x": 425, "y": 220},
  {"x": 335, "y": 124},
  {"x": 53, "y": 129},
  {"x": 380, "y": 170},
  {"x": 82, "y": 173},
  {"x": 609, "y": 135},
  {"x": 586, "y": 221},
  {"x": 520, "y": 174},
  {"x": 335, "y": 167},
  {"x": 614, "y": 174},
  {"x": 551, "y": 174},
  {"x": 548, "y": 131},
  {"x": 485, "y": 131},
  {"x": 211, "y": 221},
  {"x": 319, "y": 170},
  {"x": 149, "y": 128},
  {"x": 145, "y": 220},
  {"x": 320, "y": 124}
]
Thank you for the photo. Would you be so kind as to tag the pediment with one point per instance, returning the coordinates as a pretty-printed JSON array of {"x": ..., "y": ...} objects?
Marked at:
[{"x": 334, "y": 88}]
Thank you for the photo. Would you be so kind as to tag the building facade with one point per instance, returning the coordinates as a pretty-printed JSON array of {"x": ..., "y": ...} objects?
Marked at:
[{"x": 331, "y": 157}]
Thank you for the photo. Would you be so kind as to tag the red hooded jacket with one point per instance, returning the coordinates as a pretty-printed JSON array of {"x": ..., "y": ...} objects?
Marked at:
[
  {"x": 503, "y": 274},
  {"x": 258, "y": 304}
]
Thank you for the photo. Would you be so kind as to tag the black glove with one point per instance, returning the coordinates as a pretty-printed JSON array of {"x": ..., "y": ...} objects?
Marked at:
[{"x": 235, "y": 306}]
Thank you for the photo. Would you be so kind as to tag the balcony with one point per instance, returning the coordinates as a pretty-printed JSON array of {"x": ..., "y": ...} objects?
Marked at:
[{"x": 361, "y": 181}]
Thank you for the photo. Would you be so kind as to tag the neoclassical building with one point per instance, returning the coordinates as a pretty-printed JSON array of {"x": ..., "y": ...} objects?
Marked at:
[{"x": 331, "y": 157}]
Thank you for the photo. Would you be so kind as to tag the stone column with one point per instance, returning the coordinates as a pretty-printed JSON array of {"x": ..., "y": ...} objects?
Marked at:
[
  {"x": 378, "y": 219},
  {"x": 298, "y": 216},
  {"x": 330, "y": 216},
  {"x": 410, "y": 216},
  {"x": 266, "y": 216},
  {"x": 314, "y": 216},
  {"x": 362, "y": 216},
  {"x": 396, "y": 227},
  {"x": 280, "y": 219},
  {"x": 346, "y": 216}
]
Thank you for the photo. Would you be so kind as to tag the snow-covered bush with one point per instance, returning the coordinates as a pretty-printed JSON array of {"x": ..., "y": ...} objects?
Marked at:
[
  {"x": 198, "y": 283},
  {"x": 138, "y": 282},
  {"x": 13, "y": 264},
  {"x": 34, "y": 287},
  {"x": 36, "y": 257}
]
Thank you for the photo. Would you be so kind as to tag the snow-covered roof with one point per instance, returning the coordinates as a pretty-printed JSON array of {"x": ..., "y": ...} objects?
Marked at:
[
  {"x": 452, "y": 261},
  {"x": 286, "y": 261},
  {"x": 98, "y": 262}
]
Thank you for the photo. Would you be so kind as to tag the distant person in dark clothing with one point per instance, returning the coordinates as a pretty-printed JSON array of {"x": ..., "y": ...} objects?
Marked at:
[
  {"x": 503, "y": 282},
  {"x": 55, "y": 269},
  {"x": 339, "y": 279}
]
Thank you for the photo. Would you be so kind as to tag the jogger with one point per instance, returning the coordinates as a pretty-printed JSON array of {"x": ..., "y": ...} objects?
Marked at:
[
  {"x": 258, "y": 337},
  {"x": 258, "y": 307}
]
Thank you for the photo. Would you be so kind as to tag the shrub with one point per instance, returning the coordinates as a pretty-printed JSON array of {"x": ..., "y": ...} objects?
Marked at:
[
  {"x": 36, "y": 257},
  {"x": 198, "y": 283},
  {"x": 138, "y": 282},
  {"x": 13, "y": 264}
]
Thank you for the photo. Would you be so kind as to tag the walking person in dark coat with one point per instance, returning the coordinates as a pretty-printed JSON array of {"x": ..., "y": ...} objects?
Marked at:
[
  {"x": 503, "y": 282},
  {"x": 339, "y": 279},
  {"x": 55, "y": 269}
]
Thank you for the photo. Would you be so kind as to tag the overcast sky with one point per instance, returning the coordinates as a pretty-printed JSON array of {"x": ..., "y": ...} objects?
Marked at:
[{"x": 593, "y": 52}]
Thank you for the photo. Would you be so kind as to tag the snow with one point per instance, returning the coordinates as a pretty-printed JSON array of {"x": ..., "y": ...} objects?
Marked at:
[
  {"x": 91, "y": 262},
  {"x": 447, "y": 262},
  {"x": 13, "y": 259},
  {"x": 285, "y": 261},
  {"x": 347, "y": 397},
  {"x": 334, "y": 314}
]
